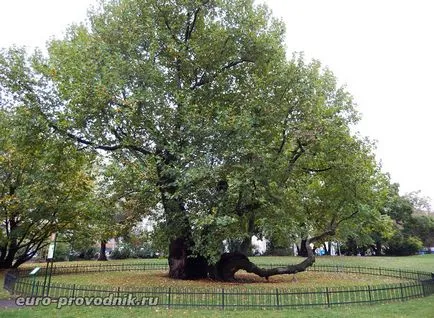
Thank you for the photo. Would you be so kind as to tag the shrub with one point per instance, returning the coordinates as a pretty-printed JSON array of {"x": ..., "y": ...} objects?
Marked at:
[
  {"x": 122, "y": 252},
  {"x": 84, "y": 254},
  {"x": 403, "y": 246},
  {"x": 62, "y": 252},
  {"x": 128, "y": 251}
]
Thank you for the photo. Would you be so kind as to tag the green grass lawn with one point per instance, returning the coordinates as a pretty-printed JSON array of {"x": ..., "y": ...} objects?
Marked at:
[
  {"x": 420, "y": 308},
  {"x": 418, "y": 262},
  {"x": 423, "y": 307}
]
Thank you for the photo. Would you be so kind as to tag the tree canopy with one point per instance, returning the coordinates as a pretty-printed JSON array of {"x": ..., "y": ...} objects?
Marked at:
[
  {"x": 43, "y": 185},
  {"x": 199, "y": 97}
]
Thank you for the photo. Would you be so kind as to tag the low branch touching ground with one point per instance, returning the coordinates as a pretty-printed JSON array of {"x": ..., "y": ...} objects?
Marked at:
[{"x": 230, "y": 263}]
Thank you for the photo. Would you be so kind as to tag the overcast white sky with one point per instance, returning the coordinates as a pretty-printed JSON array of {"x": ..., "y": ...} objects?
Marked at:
[{"x": 382, "y": 50}]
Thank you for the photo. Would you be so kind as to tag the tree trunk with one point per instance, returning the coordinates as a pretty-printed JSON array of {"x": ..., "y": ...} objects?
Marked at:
[
  {"x": 102, "y": 249},
  {"x": 327, "y": 248},
  {"x": 378, "y": 247},
  {"x": 184, "y": 265},
  {"x": 5, "y": 263},
  {"x": 303, "y": 250},
  {"x": 9, "y": 253}
]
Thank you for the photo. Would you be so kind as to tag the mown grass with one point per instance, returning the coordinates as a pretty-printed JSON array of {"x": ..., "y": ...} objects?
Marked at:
[
  {"x": 244, "y": 280},
  {"x": 418, "y": 262},
  {"x": 423, "y": 307},
  {"x": 420, "y": 308}
]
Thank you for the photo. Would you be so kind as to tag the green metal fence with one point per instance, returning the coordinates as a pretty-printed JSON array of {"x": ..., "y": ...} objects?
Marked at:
[{"x": 418, "y": 284}]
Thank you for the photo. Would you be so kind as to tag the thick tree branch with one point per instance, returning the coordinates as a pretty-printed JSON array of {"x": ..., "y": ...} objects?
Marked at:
[
  {"x": 27, "y": 88},
  {"x": 295, "y": 155},
  {"x": 317, "y": 170},
  {"x": 207, "y": 78},
  {"x": 167, "y": 24},
  {"x": 348, "y": 217},
  {"x": 191, "y": 24},
  {"x": 230, "y": 263},
  {"x": 322, "y": 236}
]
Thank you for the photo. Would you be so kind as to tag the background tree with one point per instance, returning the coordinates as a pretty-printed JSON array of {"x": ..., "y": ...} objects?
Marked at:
[
  {"x": 422, "y": 227},
  {"x": 121, "y": 199},
  {"x": 402, "y": 227},
  {"x": 43, "y": 185}
]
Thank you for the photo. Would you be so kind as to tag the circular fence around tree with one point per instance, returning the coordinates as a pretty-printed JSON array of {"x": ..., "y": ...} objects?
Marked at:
[{"x": 415, "y": 284}]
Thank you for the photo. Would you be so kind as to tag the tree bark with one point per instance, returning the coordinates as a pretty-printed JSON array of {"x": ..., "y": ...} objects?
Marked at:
[
  {"x": 378, "y": 248},
  {"x": 183, "y": 264},
  {"x": 327, "y": 248},
  {"x": 5, "y": 264},
  {"x": 303, "y": 250},
  {"x": 102, "y": 249},
  {"x": 230, "y": 263}
]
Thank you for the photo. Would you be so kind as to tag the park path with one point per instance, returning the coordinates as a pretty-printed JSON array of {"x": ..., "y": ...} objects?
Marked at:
[{"x": 7, "y": 303}]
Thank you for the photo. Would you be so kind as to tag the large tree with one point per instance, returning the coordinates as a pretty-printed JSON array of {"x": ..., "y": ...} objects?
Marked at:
[{"x": 201, "y": 95}]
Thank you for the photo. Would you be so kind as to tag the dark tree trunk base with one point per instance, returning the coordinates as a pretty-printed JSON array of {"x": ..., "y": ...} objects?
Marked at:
[
  {"x": 182, "y": 264},
  {"x": 102, "y": 256},
  {"x": 302, "y": 251}
]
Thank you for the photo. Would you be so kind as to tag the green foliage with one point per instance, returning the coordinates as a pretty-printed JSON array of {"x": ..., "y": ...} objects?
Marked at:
[
  {"x": 43, "y": 183},
  {"x": 86, "y": 253},
  {"x": 127, "y": 250},
  {"x": 212, "y": 131},
  {"x": 62, "y": 252},
  {"x": 122, "y": 252},
  {"x": 421, "y": 226},
  {"x": 401, "y": 245}
]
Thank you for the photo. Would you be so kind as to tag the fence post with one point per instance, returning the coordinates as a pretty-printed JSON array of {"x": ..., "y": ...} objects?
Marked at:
[
  {"x": 277, "y": 298},
  {"x": 402, "y": 290},
  {"x": 33, "y": 285},
  {"x": 328, "y": 297},
  {"x": 370, "y": 295},
  {"x": 223, "y": 298},
  {"x": 168, "y": 299}
]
